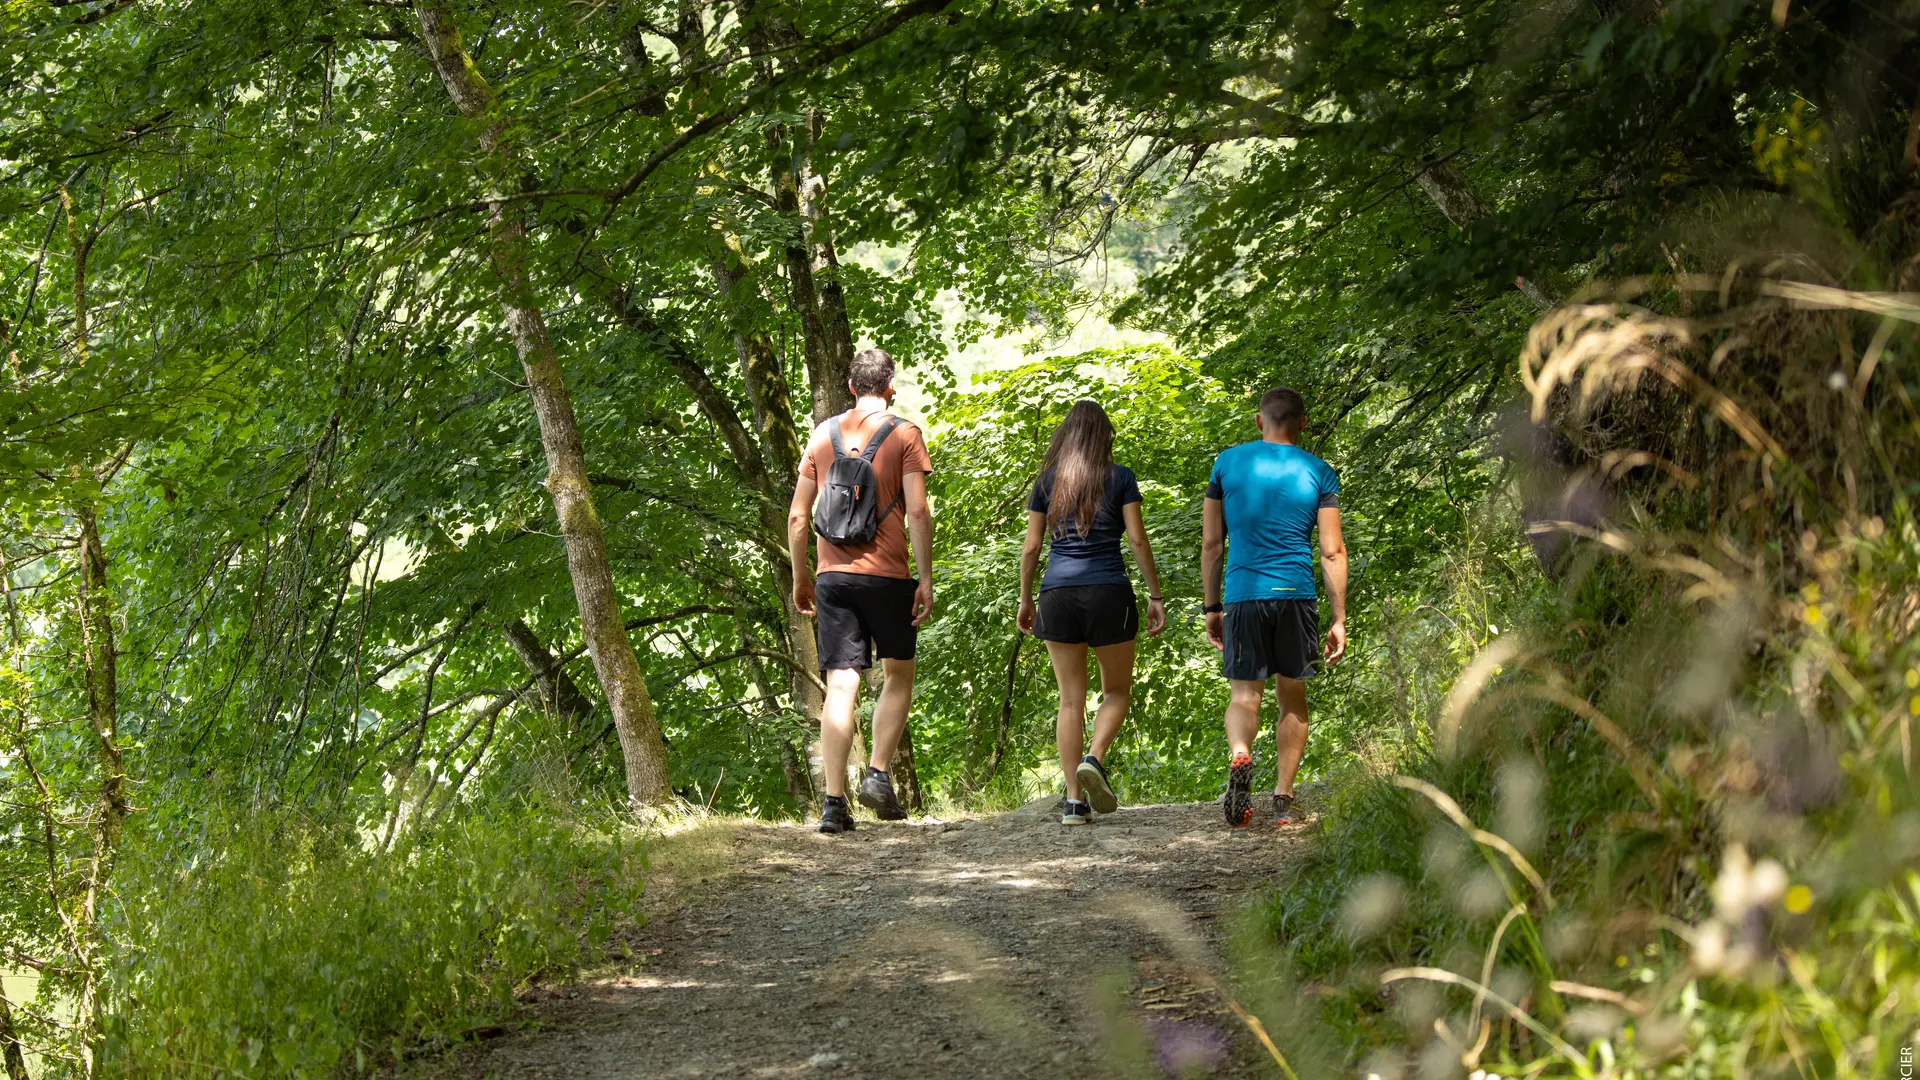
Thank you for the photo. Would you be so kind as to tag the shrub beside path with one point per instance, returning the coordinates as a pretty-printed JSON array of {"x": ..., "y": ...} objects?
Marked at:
[{"x": 985, "y": 947}]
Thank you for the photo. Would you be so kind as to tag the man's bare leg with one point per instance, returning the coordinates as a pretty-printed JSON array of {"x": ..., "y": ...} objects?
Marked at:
[
  {"x": 1243, "y": 714},
  {"x": 890, "y": 711},
  {"x": 1243, "y": 726},
  {"x": 837, "y": 727},
  {"x": 1289, "y": 731},
  {"x": 1070, "y": 724}
]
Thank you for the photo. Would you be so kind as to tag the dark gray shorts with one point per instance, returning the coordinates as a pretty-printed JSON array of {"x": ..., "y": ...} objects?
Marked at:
[
  {"x": 1265, "y": 638},
  {"x": 1091, "y": 615}
]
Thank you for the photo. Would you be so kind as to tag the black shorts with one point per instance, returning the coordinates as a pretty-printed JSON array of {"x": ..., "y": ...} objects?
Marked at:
[
  {"x": 860, "y": 615},
  {"x": 1095, "y": 615},
  {"x": 1265, "y": 638}
]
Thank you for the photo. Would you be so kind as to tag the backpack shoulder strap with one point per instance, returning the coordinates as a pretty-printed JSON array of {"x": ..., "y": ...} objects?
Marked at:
[
  {"x": 873, "y": 446},
  {"x": 879, "y": 436},
  {"x": 835, "y": 437}
]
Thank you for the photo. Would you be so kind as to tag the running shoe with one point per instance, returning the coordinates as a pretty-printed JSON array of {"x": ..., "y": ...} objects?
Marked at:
[
  {"x": 835, "y": 817},
  {"x": 1237, "y": 801},
  {"x": 1075, "y": 812},
  {"x": 1093, "y": 781},
  {"x": 876, "y": 794},
  {"x": 1286, "y": 812}
]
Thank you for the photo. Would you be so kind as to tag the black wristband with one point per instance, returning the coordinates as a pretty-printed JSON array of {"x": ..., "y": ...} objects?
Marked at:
[
  {"x": 1212, "y": 609},
  {"x": 1156, "y": 599}
]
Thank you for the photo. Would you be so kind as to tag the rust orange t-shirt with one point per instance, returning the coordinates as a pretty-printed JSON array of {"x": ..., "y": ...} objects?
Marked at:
[{"x": 903, "y": 452}]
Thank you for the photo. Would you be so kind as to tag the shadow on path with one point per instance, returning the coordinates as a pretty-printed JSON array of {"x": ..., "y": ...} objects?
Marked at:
[{"x": 989, "y": 947}]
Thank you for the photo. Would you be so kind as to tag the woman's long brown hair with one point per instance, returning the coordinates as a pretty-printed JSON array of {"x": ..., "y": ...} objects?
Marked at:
[{"x": 1079, "y": 457}]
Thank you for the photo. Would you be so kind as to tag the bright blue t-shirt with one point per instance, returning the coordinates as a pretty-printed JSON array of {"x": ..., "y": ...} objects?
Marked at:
[
  {"x": 1093, "y": 559},
  {"x": 1272, "y": 494}
]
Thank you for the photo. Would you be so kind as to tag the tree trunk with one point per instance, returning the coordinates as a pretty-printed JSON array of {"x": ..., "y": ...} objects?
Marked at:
[
  {"x": 1910, "y": 160},
  {"x": 103, "y": 695},
  {"x": 604, "y": 630},
  {"x": 772, "y": 399},
  {"x": 10, "y": 1047},
  {"x": 826, "y": 370},
  {"x": 826, "y": 261},
  {"x": 768, "y": 466},
  {"x": 857, "y": 755},
  {"x": 99, "y": 655},
  {"x": 766, "y": 380},
  {"x": 804, "y": 649},
  {"x": 99, "y": 660},
  {"x": 1453, "y": 195},
  {"x": 906, "y": 778},
  {"x": 799, "y": 785},
  {"x": 561, "y": 694}
]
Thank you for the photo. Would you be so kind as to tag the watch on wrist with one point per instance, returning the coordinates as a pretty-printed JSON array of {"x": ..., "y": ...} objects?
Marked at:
[{"x": 1212, "y": 609}]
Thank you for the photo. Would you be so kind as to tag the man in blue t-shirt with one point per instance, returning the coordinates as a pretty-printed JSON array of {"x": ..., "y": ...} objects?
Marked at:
[{"x": 1268, "y": 496}]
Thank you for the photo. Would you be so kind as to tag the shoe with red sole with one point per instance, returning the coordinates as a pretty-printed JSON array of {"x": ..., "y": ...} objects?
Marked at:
[
  {"x": 1287, "y": 813},
  {"x": 1237, "y": 802}
]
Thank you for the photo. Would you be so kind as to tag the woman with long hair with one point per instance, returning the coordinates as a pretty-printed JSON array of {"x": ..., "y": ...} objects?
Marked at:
[{"x": 1083, "y": 503}]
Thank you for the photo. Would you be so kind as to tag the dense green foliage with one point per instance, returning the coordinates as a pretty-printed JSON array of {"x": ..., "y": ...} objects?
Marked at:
[{"x": 283, "y": 584}]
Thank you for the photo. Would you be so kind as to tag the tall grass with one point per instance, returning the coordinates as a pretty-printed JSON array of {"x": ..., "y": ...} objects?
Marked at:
[
  {"x": 1666, "y": 823},
  {"x": 293, "y": 949}
]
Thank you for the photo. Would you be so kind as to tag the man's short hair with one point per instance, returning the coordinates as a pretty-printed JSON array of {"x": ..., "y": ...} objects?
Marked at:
[
  {"x": 872, "y": 370},
  {"x": 1283, "y": 406}
]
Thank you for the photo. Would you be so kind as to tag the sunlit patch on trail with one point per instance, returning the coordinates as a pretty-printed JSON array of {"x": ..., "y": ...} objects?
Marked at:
[{"x": 1022, "y": 950}]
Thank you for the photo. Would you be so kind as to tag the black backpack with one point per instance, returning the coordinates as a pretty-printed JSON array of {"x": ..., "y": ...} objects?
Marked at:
[{"x": 847, "y": 512}]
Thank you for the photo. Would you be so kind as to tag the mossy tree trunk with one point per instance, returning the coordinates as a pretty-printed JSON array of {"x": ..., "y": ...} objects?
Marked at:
[
  {"x": 771, "y": 397},
  {"x": 604, "y": 631},
  {"x": 11, "y": 1053},
  {"x": 563, "y": 697},
  {"x": 831, "y": 296}
]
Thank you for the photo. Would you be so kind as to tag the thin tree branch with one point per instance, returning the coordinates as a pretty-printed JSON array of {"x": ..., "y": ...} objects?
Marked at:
[{"x": 714, "y": 121}]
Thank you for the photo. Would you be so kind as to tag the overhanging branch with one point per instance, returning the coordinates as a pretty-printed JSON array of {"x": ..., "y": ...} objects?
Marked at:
[{"x": 712, "y": 122}]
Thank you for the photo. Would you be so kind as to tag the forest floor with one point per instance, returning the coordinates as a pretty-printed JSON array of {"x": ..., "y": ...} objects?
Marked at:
[{"x": 1003, "y": 945}]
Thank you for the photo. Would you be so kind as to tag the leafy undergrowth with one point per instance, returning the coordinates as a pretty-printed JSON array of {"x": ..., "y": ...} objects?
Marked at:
[
  {"x": 1666, "y": 824},
  {"x": 1765, "y": 917},
  {"x": 293, "y": 949}
]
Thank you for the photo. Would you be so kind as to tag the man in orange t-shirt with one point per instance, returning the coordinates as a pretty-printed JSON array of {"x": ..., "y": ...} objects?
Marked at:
[{"x": 865, "y": 600}]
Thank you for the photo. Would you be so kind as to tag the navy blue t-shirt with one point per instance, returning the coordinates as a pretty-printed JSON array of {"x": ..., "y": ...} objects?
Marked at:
[{"x": 1093, "y": 559}]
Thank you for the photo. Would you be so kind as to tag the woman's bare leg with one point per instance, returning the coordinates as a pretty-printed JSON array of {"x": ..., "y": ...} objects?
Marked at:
[
  {"x": 1116, "y": 693},
  {"x": 1070, "y": 727}
]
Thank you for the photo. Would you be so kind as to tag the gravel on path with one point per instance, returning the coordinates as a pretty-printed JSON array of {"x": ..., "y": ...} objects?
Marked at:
[{"x": 999, "y": 946}]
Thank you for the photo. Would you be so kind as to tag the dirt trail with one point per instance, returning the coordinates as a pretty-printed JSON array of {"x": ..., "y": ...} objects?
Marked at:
[{"x": 985, "y": 947}]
